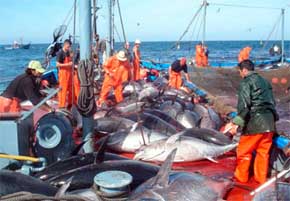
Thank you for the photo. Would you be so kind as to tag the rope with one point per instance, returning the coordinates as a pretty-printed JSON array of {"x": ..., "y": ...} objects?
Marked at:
[
  {"x": 193, "y": 32},
  {"x": 86, "y": 99},
  {"x": 269, "y": 36},
  {"x": 121, "y": 20},
  {"x": 188, "y": 26},
  {"x": 119, "y": 37},
  {"x": 68, "y": 14}
]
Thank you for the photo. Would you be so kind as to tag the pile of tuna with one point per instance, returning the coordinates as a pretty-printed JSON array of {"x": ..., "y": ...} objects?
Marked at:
[
  {"x": 154, "y": 123},
  {"x": 154, "y": 119}
]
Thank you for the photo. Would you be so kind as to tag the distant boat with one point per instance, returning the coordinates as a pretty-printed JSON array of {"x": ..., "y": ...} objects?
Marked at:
[
  {"x": 26, "y": 46},
  {"x": 16, "y": 46}
]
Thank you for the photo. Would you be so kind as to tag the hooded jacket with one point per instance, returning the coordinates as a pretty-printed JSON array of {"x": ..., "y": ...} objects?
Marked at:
[{"x": 256, "y": 105}]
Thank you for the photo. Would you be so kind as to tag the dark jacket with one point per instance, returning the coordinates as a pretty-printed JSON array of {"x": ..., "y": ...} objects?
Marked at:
[
  {"x": 24, "y": 87},
  {"x": 256, "y": 105}
]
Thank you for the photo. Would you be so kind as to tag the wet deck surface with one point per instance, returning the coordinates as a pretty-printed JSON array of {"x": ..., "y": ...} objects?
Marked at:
[{"x": 224, "y": 168}]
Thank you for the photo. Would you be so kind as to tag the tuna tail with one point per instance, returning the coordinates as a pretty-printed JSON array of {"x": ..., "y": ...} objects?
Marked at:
[
  {"x": 62, "y": 190},
  {"x": 230, "y": 147},
  {"x": 99, "y": 157},
  {"x": 78, "y": 150},
  {"x": 162, "y": 177}
]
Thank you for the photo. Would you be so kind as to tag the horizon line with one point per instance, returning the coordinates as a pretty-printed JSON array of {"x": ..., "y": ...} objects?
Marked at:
[{"x": 152, "y": 41}]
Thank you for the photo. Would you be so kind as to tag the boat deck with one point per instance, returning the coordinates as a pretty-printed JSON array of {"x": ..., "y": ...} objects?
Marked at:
[{"x": 223, "y": 169}]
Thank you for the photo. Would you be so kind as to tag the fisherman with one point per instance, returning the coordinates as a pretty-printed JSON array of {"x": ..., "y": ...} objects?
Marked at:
[
  {"x": 114, "y": 76},
  {"x": 102, "y": 50},
  {"x": 122, "y": 75},
  {"x": 65, "y": 75},
  {"x": 127, "y": 51},
  {"x": 136, "y": 60},
  {"x": 175, "y": 69},
  {"x": 201, "y": 55},
  {"x": 76, "y": 81},
  {"x": 23, "y": 87},
  {"x": 256, "y": 116},
  {"x": 244, "y": 54},
  {"x": 205, "y": 56},
  {"x": 279, "y": 154}
]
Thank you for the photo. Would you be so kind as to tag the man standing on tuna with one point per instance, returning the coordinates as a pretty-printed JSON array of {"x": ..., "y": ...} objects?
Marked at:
[
  {"x": 175, "y": 69},
  {"x": 117, "y": 71},
  {"x": 136, "y": 60},
  {"x": 256, "y": 116}
]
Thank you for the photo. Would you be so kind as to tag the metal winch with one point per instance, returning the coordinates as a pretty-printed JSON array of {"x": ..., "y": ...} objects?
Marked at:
[{"x": 113, "y": 185}]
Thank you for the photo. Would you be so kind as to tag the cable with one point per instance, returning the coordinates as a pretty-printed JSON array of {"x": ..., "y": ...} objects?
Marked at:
[
  {"x": 193, "y": 32},
  {"x": 188, "y": 26},
  {"x": 86, "y": 99},
  {"x": 269, "y": 36},
  {"x": 119, "y": 37},
  {"x": 121, "y": 20}
]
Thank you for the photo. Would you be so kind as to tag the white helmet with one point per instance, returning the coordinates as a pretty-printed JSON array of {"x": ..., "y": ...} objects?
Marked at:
[{"x": 137, "y": 41}]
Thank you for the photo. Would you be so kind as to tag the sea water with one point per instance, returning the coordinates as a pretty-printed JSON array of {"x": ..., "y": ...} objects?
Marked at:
[{"x": 14, "y": 62}]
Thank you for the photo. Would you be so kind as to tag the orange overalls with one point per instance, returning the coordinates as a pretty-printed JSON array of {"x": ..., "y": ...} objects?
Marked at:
[
  {"x": 122, "y": 75},
  {"x": 244, "y": 54},
  {"x": 9, "y": 105},
  {"x": 262, "y": 144},
  {"x": 204, "y": 60},
  {"x": 76, "y": 86},
  {"x": 199, "y": 54},
  {"x": 136, "y": 63},
  {"x": 66, "y": 93},
  {"x": 175, "y": 80},
  {"x": 110, "y": 67}
]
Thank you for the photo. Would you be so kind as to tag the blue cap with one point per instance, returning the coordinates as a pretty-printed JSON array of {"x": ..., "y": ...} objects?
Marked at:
[{"x": 232, "y": 115}]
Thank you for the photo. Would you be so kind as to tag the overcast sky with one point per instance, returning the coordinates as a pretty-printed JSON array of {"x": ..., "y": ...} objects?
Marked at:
[{"x": 148, "y": 20}]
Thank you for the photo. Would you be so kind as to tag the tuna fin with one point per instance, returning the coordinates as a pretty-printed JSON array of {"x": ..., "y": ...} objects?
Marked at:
[
  {"x": 211, "y": 159},
  {"x": 135, "y": 126},
  {"x": 198, "y": 123},
  {"x": 172, "y": 139},
  {"x": 162, "y": 177},
  {"x": 101, "y": 151},
  {"x": 78, "y": 150},
  {"x": 62, "y": 190}
]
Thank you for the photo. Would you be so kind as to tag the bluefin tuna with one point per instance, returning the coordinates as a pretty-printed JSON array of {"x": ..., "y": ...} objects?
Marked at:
[
  {"x": 180, "y": 186},
  {"x": 166, "y": 117},
  {"x": 78, "y": 161},
  {"x": 153, "y": 122},
  {"x": 129, "y": 106},
  {"x": 131, "y": 140},
  {"x": 112, "y": 124},
  {"x": 208, "y": 135},
  {"x": 206, "y": 120},
  {"x": 188, "y": 149},
  {"x": 83, "y": 177},
  {"x": 12, "y": 182}
]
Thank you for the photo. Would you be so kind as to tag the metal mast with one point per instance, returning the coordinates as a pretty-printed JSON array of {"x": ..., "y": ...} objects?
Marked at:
[
  {"x": 85, "y": 51},
  {"x": 282, "y": 34},
  {"x": 94, "y": 19},
  {"x": 110, "y": 29},
  {"x": 205, "y": 4}
]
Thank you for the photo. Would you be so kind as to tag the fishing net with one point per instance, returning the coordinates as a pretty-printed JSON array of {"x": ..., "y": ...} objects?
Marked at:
[{"x": 59, "y": 32}]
